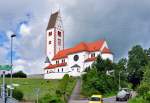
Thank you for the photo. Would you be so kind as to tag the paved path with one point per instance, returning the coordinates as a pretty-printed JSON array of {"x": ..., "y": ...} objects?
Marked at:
[
  {"x": 75, "y": 97},
  {"x": 76, "y": 92}
]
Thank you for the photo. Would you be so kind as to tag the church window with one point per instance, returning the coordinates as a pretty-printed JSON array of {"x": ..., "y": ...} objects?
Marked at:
[
  {"x": 78, "y": 70},
  {"x": 62, "y": 70},
  {"x": 50, "y": 33},
  {"x": 50, "y": 42},
  {"x": 63, "y": 60},
  {"x": 59, "y": 33},
  {"x": 58, "y": 70},
  {"x": 47, "y": 71},
  {"x": 76, "y": 58},
  {"x": 59, "y": 42},
  {"x": 57, "y": 61},
  {"x": 92, "y": 55}
]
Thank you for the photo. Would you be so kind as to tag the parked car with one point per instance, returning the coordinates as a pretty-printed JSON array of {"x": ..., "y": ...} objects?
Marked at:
[
  {"x": 124, "y": 94},
  {"x": 96, "y": 99}
]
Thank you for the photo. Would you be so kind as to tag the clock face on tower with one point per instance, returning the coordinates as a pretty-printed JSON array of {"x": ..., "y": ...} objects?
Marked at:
[{"x": 76, "y": 58}]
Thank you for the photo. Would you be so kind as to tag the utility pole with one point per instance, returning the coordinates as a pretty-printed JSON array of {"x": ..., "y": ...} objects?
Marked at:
[
  {"x": 13, "y": 35},
  {"x": 119, "y": 81}
]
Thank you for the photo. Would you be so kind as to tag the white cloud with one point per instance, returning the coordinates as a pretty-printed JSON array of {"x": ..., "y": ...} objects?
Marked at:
[
  {"x": 25, "y": 29},
  {"x": 93, "y": 19}
]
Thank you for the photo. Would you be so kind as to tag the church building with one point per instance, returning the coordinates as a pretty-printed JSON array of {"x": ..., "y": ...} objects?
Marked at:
[{"x": 74, "y": 60}]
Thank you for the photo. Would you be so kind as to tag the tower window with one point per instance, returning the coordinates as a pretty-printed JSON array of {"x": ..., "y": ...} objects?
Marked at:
[
  {"x": 62, "y": 70},
  {"x": 50, "y": 33},
  {"x": 59, "y": 42},
  {"x": 59, "y": 33},
  {"x": 49, "y": 42},
  {"x": 58, "y": 70}
]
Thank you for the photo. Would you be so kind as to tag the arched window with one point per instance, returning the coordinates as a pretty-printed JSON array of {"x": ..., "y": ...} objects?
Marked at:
[
  {"x": 62, "y": 70},
  {"x": 59, "y": 33},
  {"x": 50, "y": 33}
]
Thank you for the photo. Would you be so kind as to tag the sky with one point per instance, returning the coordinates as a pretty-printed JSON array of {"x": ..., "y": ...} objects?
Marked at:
[{"x": 123, "y": 23}]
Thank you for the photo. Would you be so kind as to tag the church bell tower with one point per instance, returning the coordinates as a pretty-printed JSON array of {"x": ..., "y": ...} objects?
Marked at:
[{"x": 54, "y": 35}]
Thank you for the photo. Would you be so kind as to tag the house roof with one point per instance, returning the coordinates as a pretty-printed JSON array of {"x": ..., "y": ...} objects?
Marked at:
[
  {"x": 52, "y": 66},
  {"x": 89, "y": 47},
  {"x": 52, "y": 20},
  {"x": 106, "y": 50},
  {"x": 90, "y": 59}
]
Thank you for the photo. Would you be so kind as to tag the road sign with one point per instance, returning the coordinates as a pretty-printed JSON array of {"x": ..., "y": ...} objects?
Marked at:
[{"x": 5, "y": 67}]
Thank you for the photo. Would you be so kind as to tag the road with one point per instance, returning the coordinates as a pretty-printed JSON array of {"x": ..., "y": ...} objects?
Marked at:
[
  {"x": 75, "y": 97},
  {"x": 106, "y": 100}
]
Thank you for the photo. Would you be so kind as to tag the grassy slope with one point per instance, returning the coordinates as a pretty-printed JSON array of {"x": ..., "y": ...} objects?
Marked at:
[{"x": 46, "y": 86}]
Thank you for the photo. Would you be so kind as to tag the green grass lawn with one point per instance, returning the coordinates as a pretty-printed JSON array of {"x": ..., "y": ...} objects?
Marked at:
[{"x": 28, "y": 86}]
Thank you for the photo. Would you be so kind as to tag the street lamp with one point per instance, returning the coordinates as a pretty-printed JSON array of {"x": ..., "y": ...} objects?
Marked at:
[{"x": 12, "y": 36}]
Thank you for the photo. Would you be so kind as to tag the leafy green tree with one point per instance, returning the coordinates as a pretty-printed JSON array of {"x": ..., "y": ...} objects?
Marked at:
[
  {"x": 97, "y": 79},
  {"x": 144, "y": 88},
  {"x": 137, "y": 58},
  {"x": 19, "y": 74}
]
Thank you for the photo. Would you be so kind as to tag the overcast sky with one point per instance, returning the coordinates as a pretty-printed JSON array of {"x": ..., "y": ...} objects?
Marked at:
[{"x": 123, "y": 23}]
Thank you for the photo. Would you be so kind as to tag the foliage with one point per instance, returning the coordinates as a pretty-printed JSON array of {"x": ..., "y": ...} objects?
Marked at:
[
  {"x": 98, "y": 79},
  {"x": 62, "y": 92},
  {"x": 17, "y": 94},
  {"x": 19, "y": 74},
  {"x": 137, "y": 59},
  {"x": 50, "y": 99}
]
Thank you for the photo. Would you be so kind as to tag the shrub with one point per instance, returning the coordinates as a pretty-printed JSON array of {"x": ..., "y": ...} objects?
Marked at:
[
  {"x": 17, "y": 94},
  {"x": 143, "y": 89},
  {"x": 50, "y": 99}
]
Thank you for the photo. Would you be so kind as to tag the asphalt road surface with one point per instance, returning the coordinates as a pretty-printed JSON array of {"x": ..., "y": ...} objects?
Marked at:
[
  {"x": 106, "y": 100},
  {"x": 75, "y": 97}
]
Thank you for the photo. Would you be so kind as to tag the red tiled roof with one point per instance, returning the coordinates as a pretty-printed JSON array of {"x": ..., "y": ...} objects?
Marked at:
[
  {"x": 52, "y": 66},
  {"x": 89, "y": 47},
  {"x": 106, "y": 50},
  {"x": 90, "y": 59}
]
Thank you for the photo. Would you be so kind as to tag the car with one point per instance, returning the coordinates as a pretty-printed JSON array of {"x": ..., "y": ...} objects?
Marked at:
[
  {"x": 96, "y": 99},
  {"x": 124, "y": 94}
]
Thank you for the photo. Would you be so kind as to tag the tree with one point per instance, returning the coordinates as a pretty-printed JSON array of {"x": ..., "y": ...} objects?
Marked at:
[
  {"x": 144, "y": 88},
  {"x": 96, "y": 80},
  {"x": 19, "y": 74},
  {"x": 137, "y": 58}
]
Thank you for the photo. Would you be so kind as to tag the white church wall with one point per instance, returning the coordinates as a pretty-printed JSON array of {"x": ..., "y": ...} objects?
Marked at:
[
  {"x": 107, "y": 56},
  {"x": 50, "y": 47},
  {"x": 80, "y": 62},
  {"x": 104, "y": 45},
  {"x": 59, "y": 47},
  {"x": 54, "y": 76}
]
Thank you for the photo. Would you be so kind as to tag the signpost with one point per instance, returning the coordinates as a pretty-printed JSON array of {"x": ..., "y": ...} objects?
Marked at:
[
  {"x": 5, "y": 67},
  {"x": 3, "y": 91}
]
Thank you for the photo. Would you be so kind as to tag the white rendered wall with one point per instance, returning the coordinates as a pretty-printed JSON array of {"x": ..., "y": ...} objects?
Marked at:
[
  {"x": 80, "y": 62},
  {"x": 54, "y": 76},
  {"x": 54, "y": 73},
  {"x": 50, "y": 47},
  {"x": 107, "y": 56}
]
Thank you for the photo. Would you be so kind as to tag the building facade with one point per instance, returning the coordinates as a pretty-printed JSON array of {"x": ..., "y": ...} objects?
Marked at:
[{"x": 72, "y": 61}]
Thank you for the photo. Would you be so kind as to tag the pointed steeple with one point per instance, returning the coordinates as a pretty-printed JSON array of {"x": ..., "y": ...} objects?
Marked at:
[
  {"x": 47, "y": 60},
  {"x": 52, "y": 20}
]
